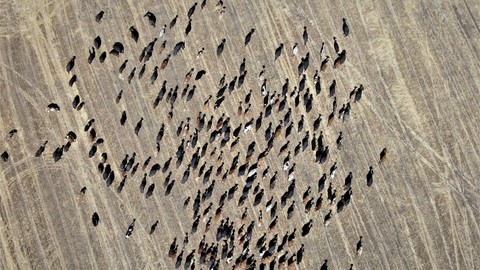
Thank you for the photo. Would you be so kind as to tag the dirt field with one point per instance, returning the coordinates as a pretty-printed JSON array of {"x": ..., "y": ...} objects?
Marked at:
[{"x": 419, "y": 65}]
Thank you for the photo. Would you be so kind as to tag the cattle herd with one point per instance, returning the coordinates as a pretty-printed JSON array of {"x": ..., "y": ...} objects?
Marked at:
[{"x": 210, "y": 139}]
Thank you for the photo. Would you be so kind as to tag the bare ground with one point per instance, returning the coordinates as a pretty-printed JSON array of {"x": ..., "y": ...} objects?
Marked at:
[{"x": 419, "y": 63}]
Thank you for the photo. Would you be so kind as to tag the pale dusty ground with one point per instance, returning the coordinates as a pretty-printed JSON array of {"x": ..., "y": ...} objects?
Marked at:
[{"x": 420, "y": 66}]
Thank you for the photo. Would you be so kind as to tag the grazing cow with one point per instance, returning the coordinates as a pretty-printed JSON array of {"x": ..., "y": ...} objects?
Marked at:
[
  {"x": 248, "y": 37},
  {"x": 76, "y": 101},
  {"x": 258, "y": 198},
  {"x": 383, "y": 155},
  {"x": 52, "y": 107},
  {"x": 123, "y": 118},
  {"x": 340, "y": 59},
  {"x": 278, "y": 51},
  {"x": 173, "y": 22},
  {"x": 72, "y": 80},
  {"x": 134, "y": 33},
  {"x": 282, "y": 259},
  {"x": 345, "y": 27},
  {"x": 318, "y": 203},
  {"x": 95, "y": 219},
  {"x": 138, "y": 126},
  {"x": 123, "y": 66},
  {"x": 154, "y": 76},
  {"x": 370, "y": 177},
  {"x": 324, "y": 265},
  {"x": 130, "y": 229},
  {"x": 110, "y": 178},
  {"x": 316, "y": 123},
  {"x": 130, "y": 162},
  {"x": 165, "y": 62},
  {"x": 220, "y": 47},
  {"x": 323, "y": 155},
  {"x": 306, "y": 227},
  {"x": 67, "y": 147},
  {"x": 89, "y": 124},
  {"x": 305, "y": 62},
  {"x": 242, "y": 66},
  {"x": 179, "y": 260},
  {"x": 106, "y": 172},
  {"x": 97, "y": 42},
  {"x": 191, "y": 10},
  {"x": 99, "y": 16},
  {"x": 273, "y": 223},
  {"x": 188, "y": 76},
  {"x": 150, "y": 190},
  {"x": 99, "y": 141},
  {"x": 331, "y": 119},
  {"x": 92, "y": 134},
  {"x": 222, "y": 12},
  {"x": 299, "y": 254},
  {"x": 5, "y": 156},
  {"x": 200, "y": 53},
  {"x": 290, "y": 210},
  {"x": 332, "y": 88},
  {"x": 340, "y": 204},
  {"x": 326, "y": 219},
  {"x": 321, "y": 182},
  {"x": 189, "y": 27},
  {"x": 162, "y": 32},
  {"x": 154, "y": 226},
  {"x": 172, "y": 251},
  {"x": 200, "y": 74},
  {"x": 169, "y": 187},
  {"x": 151, "y": 18},
  {"x": 359, "y": 247},
  {"x": 179, "y": 46},
  {"x": 162, "y": 47},
  {"x": 219, "y": 5},
  {"x": 323, "y": 65},
  {"x": 335, "y": 45},
  {"x": 339, "y": 140},
  {"x": 358, "y": 93},
  {"x": 295, "y": 48},
  {"x": 57, "y": 154},
  {"x": 122, "y": 184},
  {"x": 261, "y": 77},
  {"x": 70, "y": 64},
  {"x": 142, "y": 70},
  {"x": 132, "y": 74},
  {"x": 305, "y": 35},
  {"x": 10, "y": 134},
  {"x": 290, "y": 261},
  {"x": 91, "y": 55},
  {"x": 71, "y": 136},
  {"x": 117, "y": 48},
  {"x": 80, "y": 106},
  {"x": 352, "y": 93},
  {"x": 134, "y": 169},
  {"x": 119, "y": 96},
  {"x": 41, "y": 149},
  {"x": 321, "y": 48}
]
